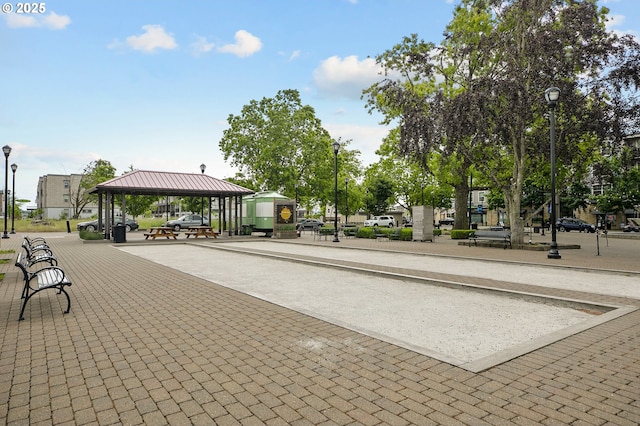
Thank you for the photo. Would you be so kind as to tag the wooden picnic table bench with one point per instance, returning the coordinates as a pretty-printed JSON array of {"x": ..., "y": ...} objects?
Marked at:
[
  {"x": 161, "y": 231},
  {"x": 493, "y": 234},
  {"x": 201, "y": 231},
  {"x": 36, "y": 280}
]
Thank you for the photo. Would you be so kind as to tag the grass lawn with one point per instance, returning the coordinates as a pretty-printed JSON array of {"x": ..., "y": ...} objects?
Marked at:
[{"x": 49, "y": 225}]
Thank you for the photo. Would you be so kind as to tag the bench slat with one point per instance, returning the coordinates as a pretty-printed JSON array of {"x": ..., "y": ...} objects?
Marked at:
[
  {"x": 46, "y": 277},
  {"x": 492, "y": 235}
]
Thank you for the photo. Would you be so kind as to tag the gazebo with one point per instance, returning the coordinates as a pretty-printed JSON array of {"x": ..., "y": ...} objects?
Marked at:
[{"x": 154, "y": 183}]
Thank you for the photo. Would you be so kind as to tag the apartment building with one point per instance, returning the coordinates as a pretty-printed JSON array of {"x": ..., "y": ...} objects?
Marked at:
[{"x": 55, "y": 195}]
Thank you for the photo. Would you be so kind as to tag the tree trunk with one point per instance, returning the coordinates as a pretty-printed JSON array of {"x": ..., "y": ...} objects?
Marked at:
[
  {"x": 462, "y": 201},
  {"x": 513, "y": 195},
  {"x": 516, "y": 222}
]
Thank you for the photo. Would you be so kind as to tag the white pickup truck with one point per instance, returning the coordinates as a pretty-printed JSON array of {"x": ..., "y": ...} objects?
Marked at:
[{"x": 387, "y": 221}]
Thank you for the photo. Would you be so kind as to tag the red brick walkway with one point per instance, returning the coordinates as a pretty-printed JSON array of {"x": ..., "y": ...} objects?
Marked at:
[{"x": 146, "y": 344}]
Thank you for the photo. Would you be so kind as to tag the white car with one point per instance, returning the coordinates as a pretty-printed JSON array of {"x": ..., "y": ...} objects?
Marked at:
[
  {"x": 387, "y": 221},
  {"x": 186, "y": 221}
]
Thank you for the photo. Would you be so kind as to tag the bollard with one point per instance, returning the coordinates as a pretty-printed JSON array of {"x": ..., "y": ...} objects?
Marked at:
[{"x": 68, "y": 227}]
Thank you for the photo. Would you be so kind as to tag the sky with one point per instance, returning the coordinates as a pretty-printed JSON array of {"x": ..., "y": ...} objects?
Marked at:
[{"x": 150, "y": 84}]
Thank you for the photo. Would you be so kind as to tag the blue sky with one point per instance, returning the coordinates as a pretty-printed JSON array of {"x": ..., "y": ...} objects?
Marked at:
[{"x": 150, "y": 84}]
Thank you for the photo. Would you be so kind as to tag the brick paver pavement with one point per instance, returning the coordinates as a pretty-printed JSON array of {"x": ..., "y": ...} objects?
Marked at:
[{"x": 146, "y": 344}]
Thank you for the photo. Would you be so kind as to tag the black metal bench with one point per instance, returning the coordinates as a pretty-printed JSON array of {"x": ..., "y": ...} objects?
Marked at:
[
  {"x": 396, "y": 235},
  {"x": 40, "y": 279},
  {"x": 39, "y": 253},
  {"x": 503, "y": 235},
  {"x": 321, "y": 232},
  {"x": 380, "y": 234},
  {"x": 350, "y": 231}
]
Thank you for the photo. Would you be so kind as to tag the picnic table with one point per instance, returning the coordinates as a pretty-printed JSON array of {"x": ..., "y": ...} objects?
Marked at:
[
  {"x": 161, "y": 231},
  {"x": 201, "y": 231}
]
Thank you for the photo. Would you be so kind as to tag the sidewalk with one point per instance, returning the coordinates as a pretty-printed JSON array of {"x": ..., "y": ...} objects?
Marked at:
[{"x": 147, "y": 344}]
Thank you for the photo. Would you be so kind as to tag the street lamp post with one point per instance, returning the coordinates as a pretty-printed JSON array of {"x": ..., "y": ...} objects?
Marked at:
[
  {"x": 14, "y": 167},
  {"x": 346, "y": 200},
  {"x": 336, "y": 147},
  {"x": 202, "y": 169},
  {"x": 551, "y": 95},
  {"x": 6, "y": 150}
]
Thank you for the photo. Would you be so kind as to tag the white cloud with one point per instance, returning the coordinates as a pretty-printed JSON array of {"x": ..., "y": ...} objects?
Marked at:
[
  {"x": 615, "y": 20},
  {"x": 345, "y": 78},
  {"x": 290, "y": 56},
  {"x": 52, "y": 21},
  {"x": 55, "y": 21},
  {"x": 154, "y": 37},
  {"x": 366, "y": 139},
  {"x": 201, "y": 45},
  {"x": 294, "y": 55},
  {"x": 246, "y": 44}
]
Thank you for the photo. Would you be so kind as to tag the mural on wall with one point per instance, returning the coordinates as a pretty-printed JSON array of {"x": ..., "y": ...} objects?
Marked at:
[{"x": 284, "y": 213}]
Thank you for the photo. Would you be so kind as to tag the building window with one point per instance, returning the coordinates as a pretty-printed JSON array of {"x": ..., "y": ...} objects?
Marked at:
[
  {"x": 66, "y": 183},
  {"x": 481, "y": 196}
]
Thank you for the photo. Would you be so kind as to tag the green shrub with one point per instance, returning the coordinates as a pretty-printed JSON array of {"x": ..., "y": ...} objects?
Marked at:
[
  {"x": 406, "y": 234},
  {"x": 350, "y": 231},
  {"x": 365, "y": 232},
  {"x": 437, "y": 232},
  {"x": 86, "y": 235},
  {"x": 461, "y": 234},
  {"x": 326, "y": 230}
]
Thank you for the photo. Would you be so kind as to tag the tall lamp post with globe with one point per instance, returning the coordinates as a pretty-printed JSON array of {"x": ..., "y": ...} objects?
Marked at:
[
  {"x": 14, "y": 167},
  {"x": 336, "y": 147},
  {"x": 6, "y": 150},
  {"x": 552, "y": 95},
  {"x": 203, "y": 167},
  {"x": 346, "y": 200}
]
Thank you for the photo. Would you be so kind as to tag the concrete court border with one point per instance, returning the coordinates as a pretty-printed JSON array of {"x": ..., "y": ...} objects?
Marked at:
[{"x": 608, "y": 311}]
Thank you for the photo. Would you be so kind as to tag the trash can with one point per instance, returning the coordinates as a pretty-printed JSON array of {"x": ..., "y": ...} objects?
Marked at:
[
  {"x": 119, "y": 234},
  {"x": 474, "y": 225}
]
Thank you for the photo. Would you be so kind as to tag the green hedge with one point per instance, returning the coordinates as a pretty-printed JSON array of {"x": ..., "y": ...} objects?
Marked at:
[
  {"x": 406, "y": 234},
  {"x": 86, "y": 235},
  {"x": 461, "y": 234},
  {"x": 365, "y": 232}
]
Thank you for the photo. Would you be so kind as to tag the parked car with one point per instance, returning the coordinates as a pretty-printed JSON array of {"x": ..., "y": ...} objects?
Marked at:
[
  {"x": 387, "y": 221},
  {"x": 446, "y": 221},
  {"x": 571, "y": 224},
  {"x": 92, "y": 225},
  {"x": 306, "y": 224},
  {"x": 187, "y": 221},
  {"x": 630, "y": 226}
]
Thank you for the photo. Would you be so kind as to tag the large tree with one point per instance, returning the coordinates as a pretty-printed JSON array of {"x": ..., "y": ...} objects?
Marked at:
[
  {"x": 96, "y": 172},
  {"x": 535, "y": 45},
  {"x": 496, "y": 61},
  {"x": 280, "y": 145}
]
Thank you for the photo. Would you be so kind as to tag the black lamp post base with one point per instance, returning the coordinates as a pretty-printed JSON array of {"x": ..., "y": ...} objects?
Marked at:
[
  {"x": 335, "y": 239},
  {"x": 553, "y": 252},
  {"x": 5, "y": 235}
]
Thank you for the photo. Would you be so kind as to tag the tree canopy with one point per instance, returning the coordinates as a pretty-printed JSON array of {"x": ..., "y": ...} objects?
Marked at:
[
  {"x": 280, "y": 145},
  {"x": 94, "y": 173},
  {"x": 478, "y": 96}
]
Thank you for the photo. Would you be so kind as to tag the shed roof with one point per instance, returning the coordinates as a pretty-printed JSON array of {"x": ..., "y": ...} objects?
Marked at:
[{"x": 145, "y": 182}]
